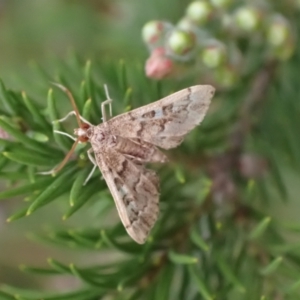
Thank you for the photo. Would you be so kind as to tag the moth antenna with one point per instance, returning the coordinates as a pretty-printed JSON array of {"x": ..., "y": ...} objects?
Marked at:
[
  {"x": 73, "y": 103},
  {"x": 67, "y": 157}
]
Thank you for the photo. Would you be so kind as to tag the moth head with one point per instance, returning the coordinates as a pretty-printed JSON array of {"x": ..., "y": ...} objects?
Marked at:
[{"x": 84, "y": 132}]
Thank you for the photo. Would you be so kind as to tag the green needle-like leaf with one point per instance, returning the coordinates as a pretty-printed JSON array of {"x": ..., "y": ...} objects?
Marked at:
[
  {"x": 260, "y": 228},
  {"x": 178, "y": 258},
  {"x": 128, "y": 99},
  {"x": 82, "y": 197},
  {"x": 198, "y": 241},
  {"x": 28, "y": 142},
  {"x": 30, "y": 158},
  {"x": 7, "y": 101},
  {"x": 59, "y": 184},
  {"x": 88, "y": 279},
  {"x": 294, "y": 288},
  {"x": 57, "y": 266},
  {"x": 128, "y": 248},
  {"x": 36, "y": 114},
  {"x": 18, "y": 215},
  {"x": 26, "y": 188},
  {"x": 163, "y": 288},
  {"x": 271, "y": 267},
  {"x": 200, "y": 285},
  {"x": 78, "y": 187},
  {"x": 86, "y": 112},
  {"x": 229, "y": 273}
]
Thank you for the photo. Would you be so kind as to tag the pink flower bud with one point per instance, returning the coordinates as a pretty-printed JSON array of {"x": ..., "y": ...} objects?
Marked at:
[{"x": 158, "y": 65}]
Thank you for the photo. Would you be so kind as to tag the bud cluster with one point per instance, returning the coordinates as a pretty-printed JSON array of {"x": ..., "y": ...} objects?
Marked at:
[{"x": 217, "y": 36}]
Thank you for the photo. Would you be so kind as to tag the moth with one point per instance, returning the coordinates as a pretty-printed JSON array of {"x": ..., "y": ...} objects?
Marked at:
[{"x": 121, "y": 146}]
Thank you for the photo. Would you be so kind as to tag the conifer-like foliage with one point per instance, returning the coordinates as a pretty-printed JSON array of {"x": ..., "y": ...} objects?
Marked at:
[{"x": 216, "y": 237}]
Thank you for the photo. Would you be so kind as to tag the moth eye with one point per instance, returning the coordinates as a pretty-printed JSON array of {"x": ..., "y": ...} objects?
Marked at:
[
  {"x": 85, "y": 126},
  {"x": 83, "y": 139}
]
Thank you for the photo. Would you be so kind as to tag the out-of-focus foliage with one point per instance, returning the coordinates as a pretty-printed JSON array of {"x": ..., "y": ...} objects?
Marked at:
[
  {"x": 219, "y": 38},
  {"x": 221, "y": 232}
]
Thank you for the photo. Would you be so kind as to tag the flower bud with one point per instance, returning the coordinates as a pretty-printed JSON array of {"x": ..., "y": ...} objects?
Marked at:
[
  {"x": 180, "y": 43},
  {"x": 278, "y": 31},
  {"x": 247, "y": 18},
  {"x": 280, "y": 38},
  {"x": 199, "y": 11},
  {"x": 154, "y": 32},
  {"x": 214, "y": 54},
  {"x": 158, "y": 65}
]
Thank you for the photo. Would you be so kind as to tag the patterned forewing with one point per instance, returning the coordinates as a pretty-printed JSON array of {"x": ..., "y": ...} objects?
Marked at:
[
  {"x": 135, "y": 191},
  {"x": 164, "y": 123}
]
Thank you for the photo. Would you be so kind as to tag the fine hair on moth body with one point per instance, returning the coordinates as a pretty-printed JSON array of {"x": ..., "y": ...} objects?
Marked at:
[{"x": 122, "y": 145}]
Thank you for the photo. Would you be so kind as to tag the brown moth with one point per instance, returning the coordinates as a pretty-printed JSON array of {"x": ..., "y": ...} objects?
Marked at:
[{"x": 124, "y": 144}]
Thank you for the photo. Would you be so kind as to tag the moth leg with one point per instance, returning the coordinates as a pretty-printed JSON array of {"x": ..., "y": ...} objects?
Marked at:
[
  {"x": 51, "y": 172},
  {"x": 92, "y": 159},
  {"x": 70, "y": 114},
  {"x": 90, "y": 175},
  {"x": 106, "y": 102},
  {"x": 66, "y": 134}
]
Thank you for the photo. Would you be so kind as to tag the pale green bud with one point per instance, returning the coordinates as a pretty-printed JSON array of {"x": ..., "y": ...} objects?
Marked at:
[
  {"x": 181, "y": 42},
  {"x": 214, "y": 55},
  {"x": 247, "y": 18},
  {"x": 199, "y": 11},
  {"x": 278, "y": 31}
]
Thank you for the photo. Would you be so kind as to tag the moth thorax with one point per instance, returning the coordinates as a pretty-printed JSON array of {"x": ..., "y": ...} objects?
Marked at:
[{"x": 101, "y": 136}]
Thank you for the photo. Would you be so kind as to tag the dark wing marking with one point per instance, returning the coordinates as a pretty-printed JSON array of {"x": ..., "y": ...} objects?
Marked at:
[
  {"x": 164, "y": 123},
  {"x": 135, "y": 191}
]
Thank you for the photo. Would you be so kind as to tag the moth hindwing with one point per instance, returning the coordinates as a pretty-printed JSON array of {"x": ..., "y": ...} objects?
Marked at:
[{"x": 123, "y": 145}]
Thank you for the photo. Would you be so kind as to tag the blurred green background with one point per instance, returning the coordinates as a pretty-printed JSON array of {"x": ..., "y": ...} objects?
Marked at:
[{"x": 39, "y": 31}]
